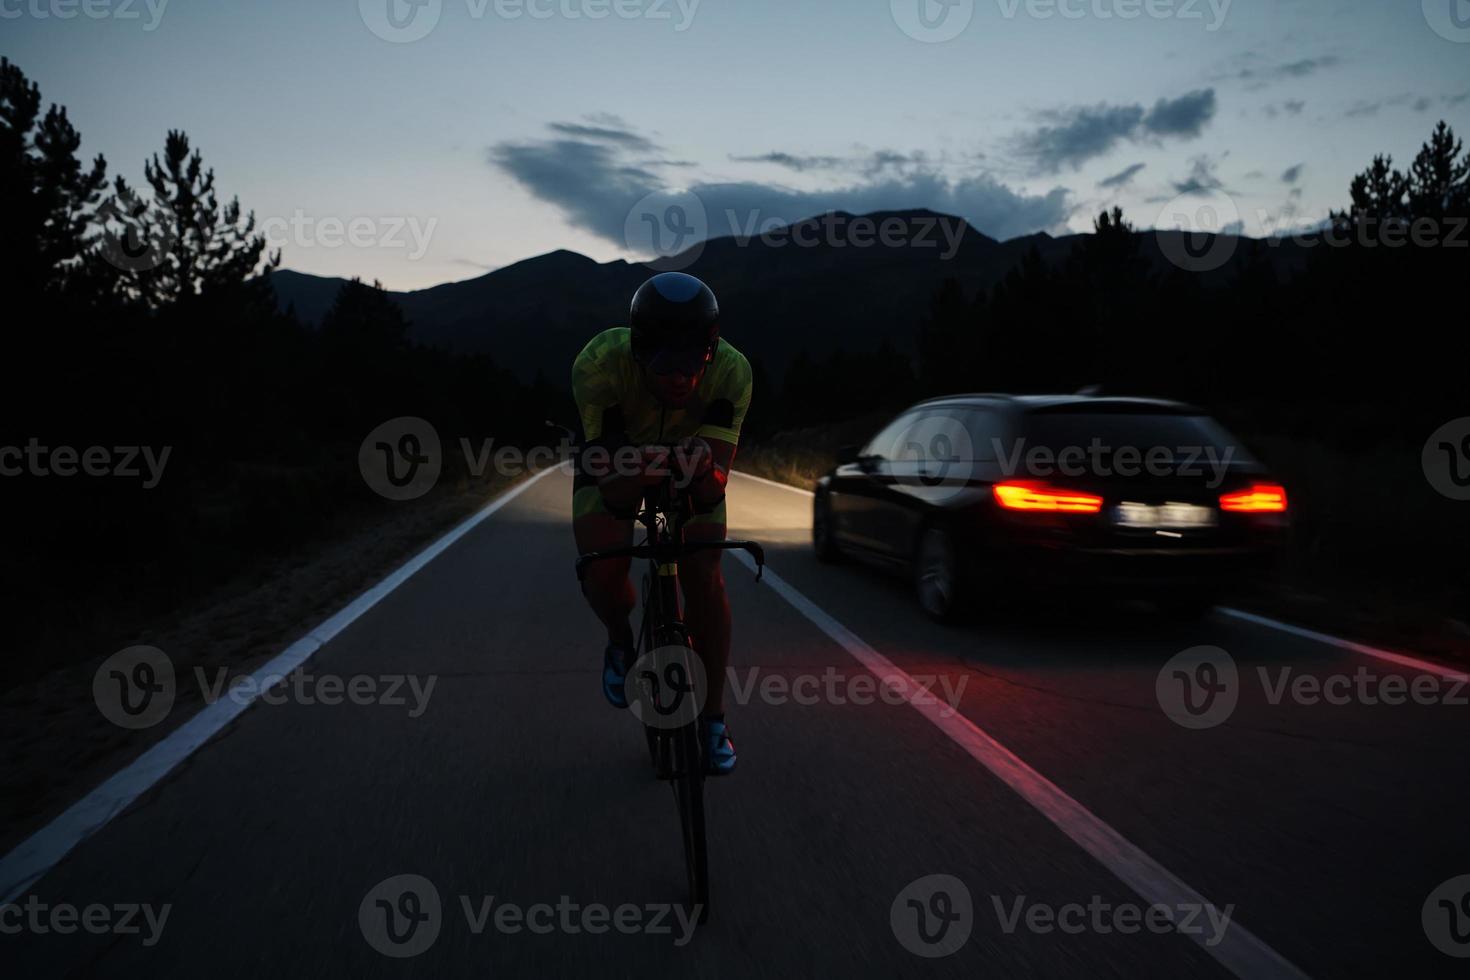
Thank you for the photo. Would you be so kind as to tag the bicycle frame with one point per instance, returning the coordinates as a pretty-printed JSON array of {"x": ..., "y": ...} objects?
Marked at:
[{"x": 677, "y": 754}]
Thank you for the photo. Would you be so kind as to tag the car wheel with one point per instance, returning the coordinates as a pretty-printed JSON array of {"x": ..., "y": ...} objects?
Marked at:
[
  {"x": 824, "y": 543},
  {"x": 938, "y": 575}
]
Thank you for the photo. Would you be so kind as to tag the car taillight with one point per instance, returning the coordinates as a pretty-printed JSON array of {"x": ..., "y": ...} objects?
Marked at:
[
  {"x": 1261, "y": 498},
  {"x": 1035, "y": 496}
]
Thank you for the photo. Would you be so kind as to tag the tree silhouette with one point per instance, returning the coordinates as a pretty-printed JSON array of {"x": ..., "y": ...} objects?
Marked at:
[
  {"x": 180, "y": 242},
  {"x": 48, "y": 198},
  {"x": 1439, "y": 180},
  {"x": 1379, "y": 195},
  {"x": 365, "y": 318}
]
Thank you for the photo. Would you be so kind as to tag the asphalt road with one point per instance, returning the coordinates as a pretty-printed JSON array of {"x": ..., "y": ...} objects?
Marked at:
[{"x": 1322, "y": 828}]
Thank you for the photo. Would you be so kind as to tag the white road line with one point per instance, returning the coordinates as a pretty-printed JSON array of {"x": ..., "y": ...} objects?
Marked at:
[
  {"x": 1239, "y": 951},
  {"x": 1403, "y": 660},
  {"x": 39, "y": 853},
  {"x": 773, "y": 483}
]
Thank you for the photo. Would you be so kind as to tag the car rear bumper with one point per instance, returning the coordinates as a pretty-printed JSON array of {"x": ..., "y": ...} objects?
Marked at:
[{"x": 1145, "y": 571}]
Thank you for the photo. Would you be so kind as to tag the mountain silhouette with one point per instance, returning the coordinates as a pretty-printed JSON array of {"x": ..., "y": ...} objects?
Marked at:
[{"x": 778, "y": 298}]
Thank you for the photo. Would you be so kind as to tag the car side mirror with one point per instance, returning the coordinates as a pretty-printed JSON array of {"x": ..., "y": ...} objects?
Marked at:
[{"x": 848, "y": 454}]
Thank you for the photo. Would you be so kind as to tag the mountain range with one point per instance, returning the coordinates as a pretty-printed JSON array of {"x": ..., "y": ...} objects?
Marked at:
[{"x": 777, "y": 299}]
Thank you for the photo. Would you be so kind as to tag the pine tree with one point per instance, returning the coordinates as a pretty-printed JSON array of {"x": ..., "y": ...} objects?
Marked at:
[
  {"x": 1380, "y": 194},
  {"x": 180, "y": 243},
  {"x": 1439, "y": 180},
  {"x": 46, "y": 195}
]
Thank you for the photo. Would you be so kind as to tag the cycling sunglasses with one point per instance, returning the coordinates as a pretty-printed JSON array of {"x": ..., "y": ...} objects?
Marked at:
[{"x": 685, "y": 363}]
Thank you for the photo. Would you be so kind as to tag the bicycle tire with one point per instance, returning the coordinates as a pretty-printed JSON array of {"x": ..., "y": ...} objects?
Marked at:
[{"x": 689, "y": 794}]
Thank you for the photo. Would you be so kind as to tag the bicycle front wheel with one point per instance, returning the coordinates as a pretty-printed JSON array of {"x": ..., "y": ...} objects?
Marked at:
[{"x": 689, "y": 792}]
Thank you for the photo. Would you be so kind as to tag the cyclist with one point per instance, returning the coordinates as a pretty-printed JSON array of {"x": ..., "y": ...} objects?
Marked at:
[{"x": 666, "y": 379}]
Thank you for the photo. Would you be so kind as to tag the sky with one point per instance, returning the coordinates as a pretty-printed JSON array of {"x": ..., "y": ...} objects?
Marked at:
[{"x": 423, "y": 141}]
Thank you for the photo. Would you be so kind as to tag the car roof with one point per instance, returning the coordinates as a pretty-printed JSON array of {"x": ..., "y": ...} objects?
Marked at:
[{"x": 1043, "y": 403}]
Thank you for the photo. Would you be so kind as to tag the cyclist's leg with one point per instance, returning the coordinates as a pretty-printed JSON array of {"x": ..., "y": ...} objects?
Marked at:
[
  {"x": 607, "y": 587},
  {"x": 706, "y": 607}
]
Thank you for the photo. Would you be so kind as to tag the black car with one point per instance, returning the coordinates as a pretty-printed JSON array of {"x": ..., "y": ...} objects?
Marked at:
[{"x": 981, "y": 497}]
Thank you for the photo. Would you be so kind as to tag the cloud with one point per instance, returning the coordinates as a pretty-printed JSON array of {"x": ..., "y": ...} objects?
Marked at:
[
  {"x": 1292, "y": 107},
  {"x": 594, "y": 185},
  {"x": 604, "y": 134},
  {"x": 1071, "y": 137},
  {"x": 870, "y": 163},
  {"x": 790, "y": 161},
  {"x": 1184, "y": 117},
  {"x": 1074, "y": 136},
  {"x": 1201, "y": 179},
  {"x": 1293, "y": 174},
  {"x": 1363, "y": 109},
  {"x": 1259, "y": 75},
  {"x": 1122, "y": 178}
]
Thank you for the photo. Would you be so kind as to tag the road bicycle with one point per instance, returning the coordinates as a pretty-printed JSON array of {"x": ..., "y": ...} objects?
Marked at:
[{"x": 665, "y": 686}]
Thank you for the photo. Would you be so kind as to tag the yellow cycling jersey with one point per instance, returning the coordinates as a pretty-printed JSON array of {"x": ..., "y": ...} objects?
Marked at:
[{"x": 615, "y": 404}]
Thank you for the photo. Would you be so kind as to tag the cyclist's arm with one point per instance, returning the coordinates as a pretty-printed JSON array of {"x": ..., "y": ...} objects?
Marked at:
[
  {"x": 720, "y": 432},
  {"x": 712, "y": 471},
  {"x": 605, "y": 455}
]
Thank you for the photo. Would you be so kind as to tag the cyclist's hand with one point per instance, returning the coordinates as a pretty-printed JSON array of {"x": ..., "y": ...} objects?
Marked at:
[
  {"x": 701, "y": 472},
  {"x": 695, "y": 458}
]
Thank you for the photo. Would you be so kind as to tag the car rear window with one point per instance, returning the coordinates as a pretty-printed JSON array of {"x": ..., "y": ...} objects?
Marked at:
[{"x": 1141, "y": 430}]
